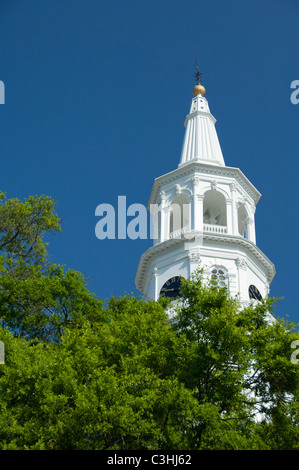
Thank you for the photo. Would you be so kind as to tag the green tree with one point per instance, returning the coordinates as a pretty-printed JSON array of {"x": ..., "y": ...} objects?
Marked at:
[
  {"x": 23, "y": 226},
  {"x": 237, "y": 362},
  {"x": 131, "y": 379},
  {"x": 38, "y": 299},
  {"x": 106, "y": 385},
  {"x": 81, "y": 373}
]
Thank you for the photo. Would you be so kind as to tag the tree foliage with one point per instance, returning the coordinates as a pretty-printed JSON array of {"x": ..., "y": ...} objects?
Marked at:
[
  {"x": 38, "y": 299},
  {"x": 82, "y": 373},
  {"x": 23, "y": 226}
]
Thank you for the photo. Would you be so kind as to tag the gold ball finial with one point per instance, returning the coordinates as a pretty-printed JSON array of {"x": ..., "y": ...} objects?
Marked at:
[{"x": 199, "y": 90}]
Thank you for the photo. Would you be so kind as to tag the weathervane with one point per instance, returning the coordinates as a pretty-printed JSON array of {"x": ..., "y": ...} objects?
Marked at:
[
  {"x": 198, "y": 89},
  {"x": 197, "y": 74}
]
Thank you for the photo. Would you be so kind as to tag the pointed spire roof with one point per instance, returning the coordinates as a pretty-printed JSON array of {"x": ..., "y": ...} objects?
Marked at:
[{"x": 201, "y": 141}]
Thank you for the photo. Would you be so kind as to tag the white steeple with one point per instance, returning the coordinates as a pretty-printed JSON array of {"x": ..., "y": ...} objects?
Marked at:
[
  {"x": 206, "y": 216},
  {"x": 201, "y": 141}
]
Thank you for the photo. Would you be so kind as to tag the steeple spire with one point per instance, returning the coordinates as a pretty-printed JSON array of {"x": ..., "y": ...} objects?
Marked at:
[{"x": 201, "y": 141}]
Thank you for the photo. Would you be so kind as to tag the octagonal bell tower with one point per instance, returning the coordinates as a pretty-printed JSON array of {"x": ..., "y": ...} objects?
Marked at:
[{"x": 204, "y": 213}]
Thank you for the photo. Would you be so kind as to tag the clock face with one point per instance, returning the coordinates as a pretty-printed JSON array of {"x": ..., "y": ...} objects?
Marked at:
[
  {"x": 171, "y": 288},
  {"x": 254, "y": 293}
]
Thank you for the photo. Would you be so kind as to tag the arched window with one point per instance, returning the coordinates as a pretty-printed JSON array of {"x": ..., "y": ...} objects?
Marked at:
[
  {"x": 179, "y": 215},
  {"x": 214, "y": 208},
  {"x": 219, "y": 276}
]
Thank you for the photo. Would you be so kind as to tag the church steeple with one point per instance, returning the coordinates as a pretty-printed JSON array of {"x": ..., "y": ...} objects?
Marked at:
[
  {"x": 201, "y": 141},
  {"x": 204, "y": 214}
]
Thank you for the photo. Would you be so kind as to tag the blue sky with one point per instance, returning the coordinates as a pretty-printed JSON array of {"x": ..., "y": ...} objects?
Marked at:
[{"x": 96, "y": 96}]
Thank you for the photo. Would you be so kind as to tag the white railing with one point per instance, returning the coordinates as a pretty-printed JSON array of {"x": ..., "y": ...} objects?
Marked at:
[
  {"x": 206, "y": 228},
  {"x": 214, "y": 228}
]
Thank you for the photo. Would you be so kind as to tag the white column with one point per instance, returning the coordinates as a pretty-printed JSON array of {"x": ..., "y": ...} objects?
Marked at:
[
  {"x": 163, "y": 217},
  {"x": 229, "y": 216},
  {"x": 199, "y": 212},
  {"x": 253, "y": 235},
  {"x": 242, "y": 278},
  {"x": 191, "y": 212},
  {"x": 196, "y": 209},
  {"x": 167, "y": 210},
  {"x": 156, "y": 283},
  {"x": 234, "y": 210},
  {"x": 249, "y": 229},
  {"x": 194, "y": 260}
]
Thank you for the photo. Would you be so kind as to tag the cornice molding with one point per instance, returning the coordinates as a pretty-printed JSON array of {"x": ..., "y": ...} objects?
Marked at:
[
  {"x": 200, "y": 113},
  {"x": 194, "y": 168},
  {"x": 220, "y": 239}
]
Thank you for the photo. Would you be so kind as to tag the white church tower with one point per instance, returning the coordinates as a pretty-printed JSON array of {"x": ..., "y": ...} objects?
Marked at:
[{"x": 205, "y": 216}]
